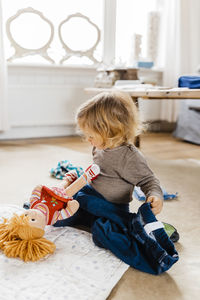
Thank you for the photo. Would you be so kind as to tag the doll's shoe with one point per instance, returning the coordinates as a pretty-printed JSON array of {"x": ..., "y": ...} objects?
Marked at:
[
  {"x": 92, "y": 172},
  {"x": 26, "y": 205}
]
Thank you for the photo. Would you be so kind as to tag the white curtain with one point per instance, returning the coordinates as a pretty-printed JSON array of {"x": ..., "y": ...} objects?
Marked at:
[
  {"x": 180, "y": 47},
  {"x": 3, "y": 81}
]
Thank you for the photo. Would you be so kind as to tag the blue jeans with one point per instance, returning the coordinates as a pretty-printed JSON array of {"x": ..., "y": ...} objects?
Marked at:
[{"x": 113, "y": 227}]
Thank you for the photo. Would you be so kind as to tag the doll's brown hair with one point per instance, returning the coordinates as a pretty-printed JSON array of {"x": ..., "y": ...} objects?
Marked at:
[{"x": 112, "y": 116}]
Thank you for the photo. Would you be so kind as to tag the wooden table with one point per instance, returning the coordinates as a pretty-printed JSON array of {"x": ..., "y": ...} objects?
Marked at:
[{"x": 152, "y": 94}]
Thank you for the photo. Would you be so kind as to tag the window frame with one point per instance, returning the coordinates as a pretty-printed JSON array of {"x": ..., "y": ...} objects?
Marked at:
[{"x": 107, "y": 37}]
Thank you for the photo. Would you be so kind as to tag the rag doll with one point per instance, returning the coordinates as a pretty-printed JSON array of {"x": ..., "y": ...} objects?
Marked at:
[{"x": 22, "y": 236}]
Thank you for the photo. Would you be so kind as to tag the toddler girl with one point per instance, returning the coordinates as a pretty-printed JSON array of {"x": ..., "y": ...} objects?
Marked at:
[{"x": 110, "y": 122}]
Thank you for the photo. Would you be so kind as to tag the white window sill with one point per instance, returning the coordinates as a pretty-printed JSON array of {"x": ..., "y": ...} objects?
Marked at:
[{"x": 52, "y": 66}]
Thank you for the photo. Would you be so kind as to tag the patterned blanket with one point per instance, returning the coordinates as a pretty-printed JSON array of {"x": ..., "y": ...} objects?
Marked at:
[{"x": 77, "y": 270}]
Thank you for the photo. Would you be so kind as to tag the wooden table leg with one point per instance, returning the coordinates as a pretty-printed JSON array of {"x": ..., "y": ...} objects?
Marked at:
[{"x": 137, "y": 139}]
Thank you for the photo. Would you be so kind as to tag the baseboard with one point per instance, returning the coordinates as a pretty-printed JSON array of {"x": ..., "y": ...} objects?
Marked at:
[
  {"x": 161, "y": 126},
  {"x": 38, "y": 132},
  {"x": 68, "y": 130}
]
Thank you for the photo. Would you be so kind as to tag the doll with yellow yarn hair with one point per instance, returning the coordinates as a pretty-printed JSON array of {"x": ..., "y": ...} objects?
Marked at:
[{"x": 22, "y": 236}]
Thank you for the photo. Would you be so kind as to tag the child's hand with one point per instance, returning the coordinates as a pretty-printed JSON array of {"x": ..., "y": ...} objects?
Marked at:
[{"x": 156, "y": 204}]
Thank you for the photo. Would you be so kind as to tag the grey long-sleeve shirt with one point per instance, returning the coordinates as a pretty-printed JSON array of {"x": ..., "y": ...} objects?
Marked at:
[{"x": 122, "y": 168}]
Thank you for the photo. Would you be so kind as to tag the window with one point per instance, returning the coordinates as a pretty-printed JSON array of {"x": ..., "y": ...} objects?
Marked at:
[
  {"x": 132, "y": 18},
  {"x": 30, "y": 31}
]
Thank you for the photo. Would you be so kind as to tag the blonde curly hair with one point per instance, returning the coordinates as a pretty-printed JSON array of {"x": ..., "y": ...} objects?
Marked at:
[{"x": 112, "y": 117}]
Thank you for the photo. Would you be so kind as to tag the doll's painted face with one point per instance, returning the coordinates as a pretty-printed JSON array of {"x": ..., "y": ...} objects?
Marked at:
[{"x": 36, "y": 218}]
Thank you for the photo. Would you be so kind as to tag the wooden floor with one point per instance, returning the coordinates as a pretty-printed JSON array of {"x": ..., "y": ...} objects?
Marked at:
[
  {"x": 158, "y": 145},
  {"x": 165, "y": 146}
]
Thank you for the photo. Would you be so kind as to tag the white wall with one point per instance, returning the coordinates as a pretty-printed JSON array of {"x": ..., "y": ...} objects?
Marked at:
[{"x": 42, "y": 101}]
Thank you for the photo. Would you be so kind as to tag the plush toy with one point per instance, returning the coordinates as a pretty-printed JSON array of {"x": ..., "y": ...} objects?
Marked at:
[{"x": 22, "y": 236}]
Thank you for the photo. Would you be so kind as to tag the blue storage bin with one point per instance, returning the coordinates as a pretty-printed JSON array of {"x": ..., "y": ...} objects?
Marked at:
[{"x": 192, "y": 82}]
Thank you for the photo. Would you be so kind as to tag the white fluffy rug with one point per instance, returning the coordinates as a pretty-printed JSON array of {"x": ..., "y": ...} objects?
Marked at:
[{"x": 78, "y": 270}]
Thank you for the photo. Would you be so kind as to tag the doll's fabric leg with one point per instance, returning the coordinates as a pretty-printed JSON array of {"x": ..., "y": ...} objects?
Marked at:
[
  {"x": 90, "y": 174},
  {"x": 72, "y": 207},
  {"x": 35, "y": 196},
  {"x": 67, "y": 212}
]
